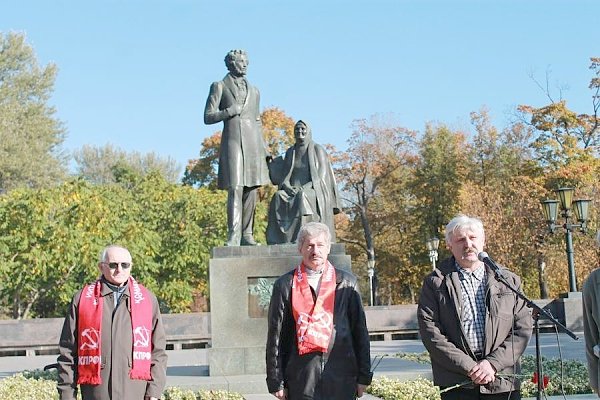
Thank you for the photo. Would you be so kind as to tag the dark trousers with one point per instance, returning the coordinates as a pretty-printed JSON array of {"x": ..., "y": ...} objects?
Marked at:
[{"x": 474, "y": 394}]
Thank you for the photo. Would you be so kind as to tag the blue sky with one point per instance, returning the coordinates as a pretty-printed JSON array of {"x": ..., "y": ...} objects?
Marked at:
[{"x": 136, "y": 73}]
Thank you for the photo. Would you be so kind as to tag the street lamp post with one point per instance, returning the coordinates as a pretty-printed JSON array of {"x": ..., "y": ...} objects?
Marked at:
[
  {"x": 542, "y": 280},
  {"x": 371, "y": 273},
  {"x": 432, "y": 247},
  {"x": 571, "y": 211}
]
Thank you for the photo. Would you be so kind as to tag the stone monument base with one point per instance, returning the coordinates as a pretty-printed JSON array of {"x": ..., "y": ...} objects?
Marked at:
[{"x": 240, "y": 280}]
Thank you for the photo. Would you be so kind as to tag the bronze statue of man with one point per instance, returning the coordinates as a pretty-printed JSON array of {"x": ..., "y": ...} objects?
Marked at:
[
  {"x": 307, "y": 189},
  {"x": 243, "y": 152}
]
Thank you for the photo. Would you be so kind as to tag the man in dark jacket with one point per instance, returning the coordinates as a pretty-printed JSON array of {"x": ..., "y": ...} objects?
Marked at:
[
  {"x": 113, "y": 342},
  {"x": 318, "y": 343},
  {"x": 474, "y": 327},
  {"x": 243, "y": 152}
]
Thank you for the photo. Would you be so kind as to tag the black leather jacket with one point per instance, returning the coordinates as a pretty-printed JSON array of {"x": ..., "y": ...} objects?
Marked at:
[{"x": 331, "y": 375}]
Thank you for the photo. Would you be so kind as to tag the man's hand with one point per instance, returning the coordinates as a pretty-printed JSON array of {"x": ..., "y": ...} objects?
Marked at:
[
  {"x": 360, "y": 389},
  {"x": 280, "y": 394},
  {"x": 482, "y": 373}
]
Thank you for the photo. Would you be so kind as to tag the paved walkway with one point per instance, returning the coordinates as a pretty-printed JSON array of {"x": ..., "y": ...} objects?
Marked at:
[{"x": 189, "y": 368}]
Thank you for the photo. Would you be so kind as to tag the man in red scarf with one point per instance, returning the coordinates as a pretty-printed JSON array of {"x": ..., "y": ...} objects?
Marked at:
[
  {"x": 318, "y": 343},
  {"x": 113, "y": 341}
]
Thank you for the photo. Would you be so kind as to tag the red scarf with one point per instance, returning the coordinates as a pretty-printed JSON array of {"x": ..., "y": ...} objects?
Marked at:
[
  {"x": 89, "y": 337},
  {"x": 314, "y": 320}
]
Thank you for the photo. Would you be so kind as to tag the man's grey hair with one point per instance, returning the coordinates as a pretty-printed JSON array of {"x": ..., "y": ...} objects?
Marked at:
[
  {"x": 104, "y": 251},
  {"x": 233, "y": 55},
  {"x": 462, "y": 222},
  {"x": 312, "y": 229}
]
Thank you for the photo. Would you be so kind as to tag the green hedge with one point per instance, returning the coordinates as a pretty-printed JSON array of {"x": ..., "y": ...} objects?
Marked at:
[
  {"x": 18, "y": 387},
  {"x": 393, "y": 389},
  {"x": 576, "y": 381},
  {"x": 41, "y": 385}
]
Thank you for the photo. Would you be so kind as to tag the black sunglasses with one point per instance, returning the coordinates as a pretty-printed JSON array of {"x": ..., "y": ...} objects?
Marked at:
[{"x": 114, "y": 265}]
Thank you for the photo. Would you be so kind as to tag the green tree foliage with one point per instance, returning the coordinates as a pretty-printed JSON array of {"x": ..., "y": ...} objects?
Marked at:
[
  {"x": 100, "y": 164},
  {"x": 50, "y": 240},
  {"x": 439, "y": 176},
  {"x": 30, "y": 134}
]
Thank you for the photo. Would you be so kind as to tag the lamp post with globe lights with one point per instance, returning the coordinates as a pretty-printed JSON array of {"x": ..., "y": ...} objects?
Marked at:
[
  {"x": 432, "y": 247},
  {"x": 575, "y": 214}
]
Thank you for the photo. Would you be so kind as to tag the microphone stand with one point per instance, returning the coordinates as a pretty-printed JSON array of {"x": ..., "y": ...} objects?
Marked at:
[{"x": 537, "y": 310}]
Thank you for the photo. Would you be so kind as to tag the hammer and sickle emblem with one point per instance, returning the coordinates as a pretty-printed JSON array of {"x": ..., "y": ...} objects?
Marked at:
[
  {"x": 322, "y": 320},
  {"x": 141, "y": 336},
  {"x": 90, "y": 338}
]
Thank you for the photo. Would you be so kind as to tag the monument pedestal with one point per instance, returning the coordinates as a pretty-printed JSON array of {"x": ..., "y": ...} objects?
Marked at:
[
  {"x": 570, "y": 310},
  {"x": 240, "y": 289}
]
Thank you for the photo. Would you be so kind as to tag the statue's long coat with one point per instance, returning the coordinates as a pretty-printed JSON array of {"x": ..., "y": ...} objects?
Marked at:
[{"x": 243, "y": 152}]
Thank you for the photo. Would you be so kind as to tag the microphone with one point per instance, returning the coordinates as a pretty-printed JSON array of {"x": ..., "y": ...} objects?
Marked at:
[{"x": 485, "y": 258}]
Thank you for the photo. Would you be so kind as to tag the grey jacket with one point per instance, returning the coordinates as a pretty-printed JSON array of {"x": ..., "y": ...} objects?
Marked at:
[
  {"x": 116, "y": 353},
  {"x": 508, "y": 328},
  {"x": 591, "y": 324}
]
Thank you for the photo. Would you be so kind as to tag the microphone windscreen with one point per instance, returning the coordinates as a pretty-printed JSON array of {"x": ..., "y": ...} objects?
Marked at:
[{"x": 482, "y": 256}]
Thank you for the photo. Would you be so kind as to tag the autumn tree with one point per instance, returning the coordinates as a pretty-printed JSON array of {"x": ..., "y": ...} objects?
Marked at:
[
  {"x": 30, "y": 134},
  {"x": 278, "y": 130},
  {"x": 513, "y": 223},
  {"x": 566, "y": 145},
  {"x": 378, "y": 149},
  {"x": 398, "y": 241},
  {"x": 100, "y": 164},
  {"x": 497, "y": 155},
  {"x": 563, "y": 135}
]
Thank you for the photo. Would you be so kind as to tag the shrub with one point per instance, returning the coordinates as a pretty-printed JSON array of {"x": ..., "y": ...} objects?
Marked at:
[
  {"x": 575, "y": 382},
  {"x": 392, "y": 389},
  {"x": 41, "y": 385},
  {"x": 175, "y": 393},
  {"x": 18, "y": 387}
]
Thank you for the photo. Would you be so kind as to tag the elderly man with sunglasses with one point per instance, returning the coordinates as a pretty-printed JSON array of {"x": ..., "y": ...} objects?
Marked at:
[{"x": 113, "y": 341}]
